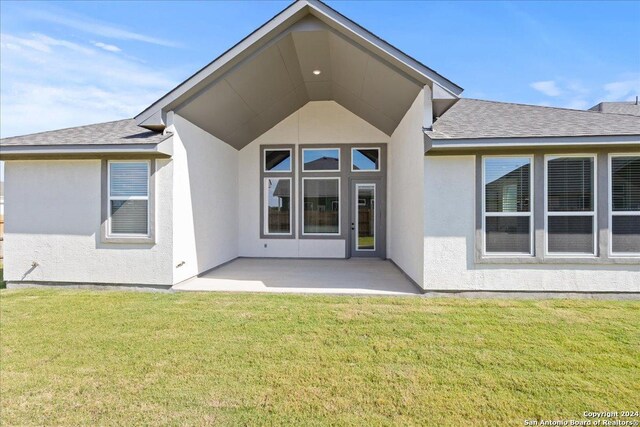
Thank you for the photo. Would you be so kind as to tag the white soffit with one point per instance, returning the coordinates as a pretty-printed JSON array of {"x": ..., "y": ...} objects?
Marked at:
[{"x": 270, "y": 74}]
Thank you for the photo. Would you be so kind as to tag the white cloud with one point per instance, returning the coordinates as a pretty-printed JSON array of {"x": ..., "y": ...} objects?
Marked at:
[
  {"x": 626, "y": 89},
  {"x": 547, "y": 87},
  {"x": 92, "y": 26},
  {"x": 578, "y": 95},
  {"x": 40, "y": 43},
  {"x": 50, "y": 83},
  {"x": 107, "y": 47}
]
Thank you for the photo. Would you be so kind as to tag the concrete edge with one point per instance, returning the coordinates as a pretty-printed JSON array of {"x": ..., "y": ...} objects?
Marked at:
[
  {"x": 533, "y": 295},
  {"x": 90, "y": 286}
]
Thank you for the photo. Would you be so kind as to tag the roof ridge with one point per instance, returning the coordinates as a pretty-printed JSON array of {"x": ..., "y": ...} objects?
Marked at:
[
  {"x": 548, "y": 107},
  {"x": 67, "y": 128},
  {"x": 617, "y": 102}
]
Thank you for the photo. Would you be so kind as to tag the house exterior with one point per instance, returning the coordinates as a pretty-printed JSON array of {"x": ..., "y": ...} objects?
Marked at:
[{"x": 313, "y": 138}]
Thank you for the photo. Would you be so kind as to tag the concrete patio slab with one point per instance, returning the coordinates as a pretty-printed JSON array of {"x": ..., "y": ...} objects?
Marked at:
[{"x": 317, "y": 276}]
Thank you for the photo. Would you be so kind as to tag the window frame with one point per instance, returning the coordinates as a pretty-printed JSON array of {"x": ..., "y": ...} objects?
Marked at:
[
  {"x": 379, "y": 167},
  {"x": 610, "y": 211},
  {"x": 264, "y": 160},
  {"x": 321, "y": 149},
  {"x": 265, "y": 207},
  {"x": 509, "y": 214},
  {"x": 593, "y": 213},
  {"x": 292, "y": 174},
  {"x": 333, "y": 235},
  {"x": 109, "y": 234}
]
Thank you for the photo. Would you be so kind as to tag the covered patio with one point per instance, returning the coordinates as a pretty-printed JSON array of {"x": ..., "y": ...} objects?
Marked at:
[{"x": 317, "y": 276}]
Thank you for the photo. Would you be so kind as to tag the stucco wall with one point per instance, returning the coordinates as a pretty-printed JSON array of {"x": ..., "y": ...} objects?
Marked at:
[
  {"x": 53, "y": 218},
  {"x": 449, "y": 254},
  {"x": 205, "y": 215},
  {"x": 320, "y": 122},
  {"x": 405, "y": 193}
]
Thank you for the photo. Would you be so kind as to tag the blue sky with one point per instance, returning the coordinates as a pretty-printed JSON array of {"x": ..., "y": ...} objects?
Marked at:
[{"x": 71, "y": 63}]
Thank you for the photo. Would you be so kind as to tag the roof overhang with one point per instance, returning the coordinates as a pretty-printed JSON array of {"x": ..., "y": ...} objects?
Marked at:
[
  {"x": 269, "y": 75},
  {"x": 466, "y": 146},
  {"x": 93, "y": 151}
]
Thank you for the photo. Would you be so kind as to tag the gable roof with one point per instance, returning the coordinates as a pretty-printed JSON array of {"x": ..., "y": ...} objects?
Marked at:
[
  {"x": 479, "y": 119},
  {"x": 267, "y": 76},
  {"x": 632, "y": 108}
]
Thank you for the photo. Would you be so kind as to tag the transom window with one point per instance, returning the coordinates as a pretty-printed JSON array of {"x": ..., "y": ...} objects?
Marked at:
[
  {"x": 277, "y": 160},
  {"x": 321, "y": 160},
  {"x": 624, "y": 204},
  {"x": 365, "y": 159},
  {"x": 570, "y": 204},
  {"x": 507, "y": 210},
  {"x": 128, "y": 184}
]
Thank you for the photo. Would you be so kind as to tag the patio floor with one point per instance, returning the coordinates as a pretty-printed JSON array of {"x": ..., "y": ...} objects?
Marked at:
[{"x": 320, "y": 276}]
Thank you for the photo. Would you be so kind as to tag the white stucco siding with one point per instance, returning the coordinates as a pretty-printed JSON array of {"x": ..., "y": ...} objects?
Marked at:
[
  {"x": 319, "y": 122},
  {"x": 53, "y": 218},
  {"x": 449, "y": 244},
  {"x": 405, "y": 193},
  {"x": 205, "y": 232}
]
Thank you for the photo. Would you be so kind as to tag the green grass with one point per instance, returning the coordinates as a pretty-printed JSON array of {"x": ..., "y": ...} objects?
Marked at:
[
  {"x": 364, "y": 241},
  {"x": 74, "y": 357}
]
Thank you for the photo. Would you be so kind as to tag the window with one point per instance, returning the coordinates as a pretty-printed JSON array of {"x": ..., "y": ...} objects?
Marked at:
[
  {"x": 278, "y": 207},
  {"x": 277, "y": 160},
  {"x": 507, "y": 210},
  {"x": 321, "y": 206},
  {"x": 321, "y": 159},
  {"x": 624, "y": 204},
  {"x": 570, "y": 205},
  {"x": 128, "y": 184},
  {"x": 365, "y": 159},
  {"x": 277, "y": 191}
]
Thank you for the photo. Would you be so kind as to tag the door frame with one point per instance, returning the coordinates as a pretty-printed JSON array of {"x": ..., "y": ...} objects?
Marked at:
[{"x": 380, "y": 218}]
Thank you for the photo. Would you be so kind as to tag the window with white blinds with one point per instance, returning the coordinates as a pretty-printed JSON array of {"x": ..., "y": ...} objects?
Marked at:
[
  {"x": 128, "y": 198},
  {"x": 507, "y": 208},
  {"x": 570, "y": 204},
  {"x": 624, "y": 204}
]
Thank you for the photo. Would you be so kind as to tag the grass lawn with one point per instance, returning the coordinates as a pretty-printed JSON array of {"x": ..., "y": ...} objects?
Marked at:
[{"x": 73, "y": 357}]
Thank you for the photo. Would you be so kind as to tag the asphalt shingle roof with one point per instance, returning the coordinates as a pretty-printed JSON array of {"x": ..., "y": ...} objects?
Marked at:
[
  {"x": 617, "y": 108},
  {"x": 474, "y": 119},
  {"x": 118, "y": 132}
]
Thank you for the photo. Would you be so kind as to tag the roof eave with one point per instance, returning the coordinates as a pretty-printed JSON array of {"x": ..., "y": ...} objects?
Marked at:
[
  {"x": 162, "y": 149},
  {"x": 153, "y": 117},
  {"x": 464, "y": 145}
]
